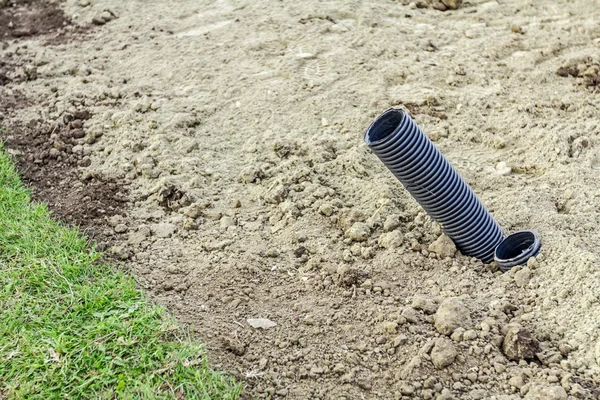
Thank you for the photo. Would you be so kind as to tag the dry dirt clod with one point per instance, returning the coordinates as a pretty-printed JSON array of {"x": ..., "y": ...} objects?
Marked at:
[
  {"x": 518, "y": 344},
  {"x": 443, "y": 353},
  {"x": 452, "y": 4},
  {"x": 425, "y": 304},
  {"x": 234, "y": 346},
  {"x": 522, "y": 277},
  {"x": 358, "y": 232},
  {"x": 450, "y": 315},
  {"x": 538, "y": 392},
  {"x": 391, "y": 240},
  {"x": 443, "y": 246},
  {"x": 164, "y": 230}
]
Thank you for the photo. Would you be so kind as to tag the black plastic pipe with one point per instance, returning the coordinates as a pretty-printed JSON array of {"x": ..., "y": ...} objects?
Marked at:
[
  {"x": 516, "y": 249},
  {"x": 401, "y": 145}
]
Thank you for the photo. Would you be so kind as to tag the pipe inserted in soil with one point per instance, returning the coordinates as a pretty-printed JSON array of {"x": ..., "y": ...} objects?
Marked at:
[{"x": 403, "y": 147}]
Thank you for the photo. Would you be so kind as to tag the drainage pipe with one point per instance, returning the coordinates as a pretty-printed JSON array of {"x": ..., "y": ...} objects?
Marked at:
[{"x": 401, "y": 145}]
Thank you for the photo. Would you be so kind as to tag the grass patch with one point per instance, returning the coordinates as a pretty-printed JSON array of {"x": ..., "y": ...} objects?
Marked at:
[{"x": 75, "y": 328}]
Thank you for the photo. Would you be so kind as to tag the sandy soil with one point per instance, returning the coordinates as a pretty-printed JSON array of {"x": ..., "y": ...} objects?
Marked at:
[{"x": 234, "y": 130}]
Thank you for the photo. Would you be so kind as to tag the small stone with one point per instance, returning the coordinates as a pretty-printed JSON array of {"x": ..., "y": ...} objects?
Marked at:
[
  {"x": 514, "y": 28},
  {"x": 339, "y": 368},
  {"x": 391, "y": 240},
  {"x": 503, "y": 169},
  {"x": 439, "y": 5},
  {"x": 121, "y": 228},
  {"x": 317, "y": 371},
  {"x": 324, "y": 122},
  {"x": 458, "y": 334},
  {"x": 407, "y": 389},
  {"x": 234, "y": 346},
  {"x": 522, "y": 277},
  {"x": 518, "y": 344},
  {"x": 400, "y": 340},
  {"x": 359, "y": 232},
  {"x": 517, "y": 381},
  {"x": 262, "y": 364},
  {"x": 443, "y": 353},
  {"x": 391, "y": 222},
  {"x": 443, "y": 246},
  {"x": 164, "y": 230},
  {"x": 389, "y": 327},
  {"x": 262, "y": 323},
  {"x": 425, "y": 304},
  {"x": 120, "y": 252},
  {"x": 326, "y": 209},
  {"x": 446, "y": 395},
  {"x": 538, "y": 392},
  {"x": 452, "y": 4},
  {"x": 226, "y": 222},
  {"x": 450, "y": 315},
  {"x": 549, "y": 356},
  {"x": 410, "y": 315}
]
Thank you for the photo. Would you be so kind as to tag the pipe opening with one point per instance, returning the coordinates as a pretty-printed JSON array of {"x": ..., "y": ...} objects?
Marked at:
[
  {"x": 387, "y": 124},
  {"x": 517, "y": 248}
]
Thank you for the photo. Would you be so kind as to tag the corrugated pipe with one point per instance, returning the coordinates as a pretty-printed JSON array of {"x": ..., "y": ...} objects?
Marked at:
[{"x": 401, "y": 145}]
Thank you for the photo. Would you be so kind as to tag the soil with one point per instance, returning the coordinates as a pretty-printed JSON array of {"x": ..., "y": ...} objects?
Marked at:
[{"x": 217, "y": 147}]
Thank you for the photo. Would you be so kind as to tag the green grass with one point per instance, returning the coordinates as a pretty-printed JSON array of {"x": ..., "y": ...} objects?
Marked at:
[{"x": 72, "y": 327}]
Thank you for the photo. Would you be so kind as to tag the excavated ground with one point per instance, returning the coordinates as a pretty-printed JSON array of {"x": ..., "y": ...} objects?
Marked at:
[{"x": 214, "y": 148}]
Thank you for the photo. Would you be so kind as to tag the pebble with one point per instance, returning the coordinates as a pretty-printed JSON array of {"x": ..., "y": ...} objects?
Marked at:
[
  {"x": 439, "y": 5},
  {"x": 522, "y": 277},
  {"x": 516, "y": 29},
  {"x": 443, "y": 353},
  {"x": 517, "y": 381},
  {"x": 424, "y": 304},
  {"x": 359, "y": 232},
  {"x": 443, "y": 246},
  {"x": 445, "y": 395},
  {"x": 391, "y": 240},
  {"x": 452, "y": 4},
  {"x": 326, "y": 209},
  {"x": 262, "y": 323},
  {"x": 410, "y": 315},
  {"x": 503, "y": 169},
  {"x": 391, "y": 222},
  {"x": 537, "y": 392},
  {"x": 389, "y": 327},
  {"x": 226, "y": 222},
  {"x": 400, "y": 340},
  {"x": 450, "y": 315},
  {"x": 121, "y": 228},
  {"x": 518, "y": 344},
  {"x": 164, "y": 230}
]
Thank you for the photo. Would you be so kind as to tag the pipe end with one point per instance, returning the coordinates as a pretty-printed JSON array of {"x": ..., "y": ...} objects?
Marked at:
[
  {"x": 384, "y": 126},
  {"x": 516, "y": 249}
]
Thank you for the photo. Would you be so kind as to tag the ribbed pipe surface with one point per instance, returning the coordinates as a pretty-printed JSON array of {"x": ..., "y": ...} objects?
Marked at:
[{"x": 401, "y": 145}]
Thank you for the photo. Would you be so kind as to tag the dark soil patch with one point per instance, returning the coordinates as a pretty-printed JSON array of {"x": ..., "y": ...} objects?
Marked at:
[
  {"x": 23, "y": 18},
  {"x": 586, "y": 70},
  {"x": 26, "y": 18},
  {"x": 48, "y": 157}
]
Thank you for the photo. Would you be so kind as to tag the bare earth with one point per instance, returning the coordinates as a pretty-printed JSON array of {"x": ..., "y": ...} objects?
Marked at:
[{"x": 216, "y": 148}]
